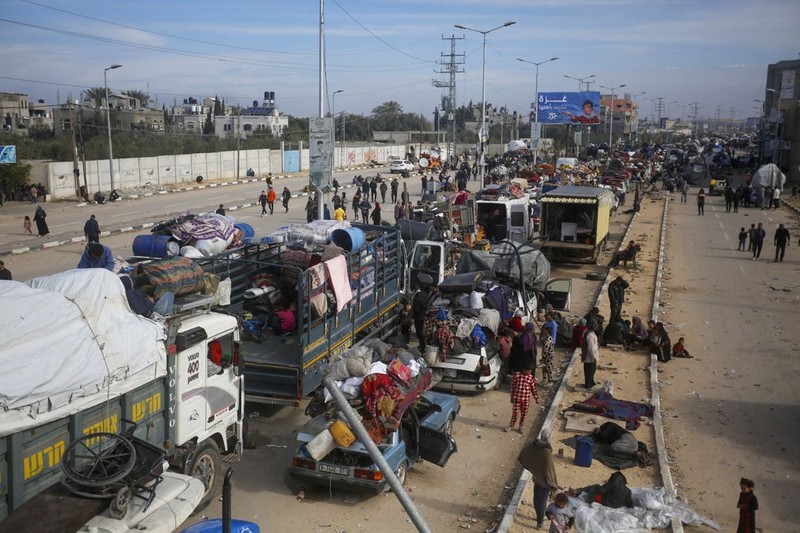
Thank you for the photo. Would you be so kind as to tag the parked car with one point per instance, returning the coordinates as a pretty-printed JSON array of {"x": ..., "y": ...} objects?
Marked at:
[
  {"x": 425, "y": 433},
  {"x": 400, "y": 166}
]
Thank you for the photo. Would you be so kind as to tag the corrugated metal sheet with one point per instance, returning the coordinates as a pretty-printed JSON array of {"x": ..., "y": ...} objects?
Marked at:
[{"x": 567, "y": 200}]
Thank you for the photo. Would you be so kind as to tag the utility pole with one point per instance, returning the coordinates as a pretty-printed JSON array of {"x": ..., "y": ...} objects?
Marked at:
[
  {"x": 659, "y": 109},
  {"x": 451, "y": 68},
  {"x": 75, "y": 169}
]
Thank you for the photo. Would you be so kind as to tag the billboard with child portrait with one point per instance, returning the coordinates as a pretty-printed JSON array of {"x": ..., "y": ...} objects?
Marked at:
[{"x": 568, "y": 108}]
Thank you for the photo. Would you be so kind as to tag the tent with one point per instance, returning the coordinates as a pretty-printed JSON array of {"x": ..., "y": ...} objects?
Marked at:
[{"x": 769, "y": 176}]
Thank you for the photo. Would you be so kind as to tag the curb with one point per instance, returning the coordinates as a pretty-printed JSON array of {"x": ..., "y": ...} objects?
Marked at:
[{"x": 525, "y": 476}]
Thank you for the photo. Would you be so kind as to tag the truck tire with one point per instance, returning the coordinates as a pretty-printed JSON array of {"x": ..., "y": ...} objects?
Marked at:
[{"x": 206, "y": 465}]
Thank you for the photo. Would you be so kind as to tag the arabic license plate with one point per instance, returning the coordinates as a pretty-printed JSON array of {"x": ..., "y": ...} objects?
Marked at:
[{"x": 333, "y": 469}]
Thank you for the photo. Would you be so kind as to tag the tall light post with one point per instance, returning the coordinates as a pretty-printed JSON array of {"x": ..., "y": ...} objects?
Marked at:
[
  {"x": 776, "y": 153},
  {"x": 483, "y": 136},
  {"x": 333, "y": 114},
  {"x": 536, "y": 103},
  {"x": 108, "y": 116},
  {"x": 581, "y": 80},
  {"x": 630, "y": 127},
  {"x": 611, "y": 113}
]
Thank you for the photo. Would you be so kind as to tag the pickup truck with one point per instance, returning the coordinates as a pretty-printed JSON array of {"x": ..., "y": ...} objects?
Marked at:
[{"x": 90, "y": 363}]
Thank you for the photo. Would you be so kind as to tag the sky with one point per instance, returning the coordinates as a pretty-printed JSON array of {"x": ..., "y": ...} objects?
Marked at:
[{"x": 712, "y": 52}]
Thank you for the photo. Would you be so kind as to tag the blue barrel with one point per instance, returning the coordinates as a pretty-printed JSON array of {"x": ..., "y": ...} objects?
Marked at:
[
  {"x": 246, "y": 229},
  {"x": 583, "y": 451},
  {"x": 351, "y": 239},
  {"x": 215, "y": 526},
  {"x": 155, "y": 246}
]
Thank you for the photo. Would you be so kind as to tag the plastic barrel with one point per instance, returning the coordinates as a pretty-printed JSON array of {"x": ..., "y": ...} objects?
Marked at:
[
  {"x": 351, "y": 239},
  {"x": 246, "y": 229},
  {"x": 412, "y": 230},
  {"x": 342, "y": 434},
  {"x": 583, "y": 451},
  {"x": 155, "y": 246},
  {"x": 215, "y": 526}
]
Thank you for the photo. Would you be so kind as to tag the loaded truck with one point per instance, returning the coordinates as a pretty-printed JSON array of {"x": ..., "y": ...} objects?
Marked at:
[
  {"x": 575, "y": 222},
  {"x": 77, "y": 364},
  {"x": 283, "y": 367}
]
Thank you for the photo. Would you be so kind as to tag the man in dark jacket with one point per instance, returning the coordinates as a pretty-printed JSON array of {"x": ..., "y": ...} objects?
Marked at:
[
  {"x": 616, "y": 296},
  {"x": 758, "y": 241},
  {"x": 419, "y": 307},
  {"x": 537, "y": 458},
  {"x": 92, "y": 230},
  {"x": 781, "y": 242}
]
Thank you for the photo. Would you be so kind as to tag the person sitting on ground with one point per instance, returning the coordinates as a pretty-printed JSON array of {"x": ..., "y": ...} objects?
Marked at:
[
  {"x": 560, "y": 515},
  {"x": 622, "y": 443},
  {"x": 97, "y": 255},
  {"x": 598, "y": 319},
  {"x": 613, "y": 493},
  {"x": 678, "y": 350},
  {"x": 114, "y": 196},
  {"x": 615, "y": 333},
  {"x": 638, "y": 332}
]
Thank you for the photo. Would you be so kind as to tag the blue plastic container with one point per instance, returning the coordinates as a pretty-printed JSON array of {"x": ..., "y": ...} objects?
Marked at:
[
  {"x": 351, "y": 239},
  {"x": 215, "y": 526},
  {"x": 583, "y": 451},
  {"x": 155, "y": 246},
  {"x": 246, "y": 229}
]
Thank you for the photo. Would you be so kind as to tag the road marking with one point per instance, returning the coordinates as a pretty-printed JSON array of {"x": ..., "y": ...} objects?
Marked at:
[
  {"x": 726, "y": 237},
  {"x": 62, "y": 225},
  {"x": 770, "y": 219},
  {"x": 741, "y": 268},
  {"x": 175, "y": 205},
  {"x": 716, "y": 215},
  {"x": 720, "y": 225},
  {"x": 124, "y": 214}
]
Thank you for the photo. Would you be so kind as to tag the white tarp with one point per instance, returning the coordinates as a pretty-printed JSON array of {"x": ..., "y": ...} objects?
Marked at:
[
  {"x": 769, "y": 176},
  {"x": 71, "y": 341}
]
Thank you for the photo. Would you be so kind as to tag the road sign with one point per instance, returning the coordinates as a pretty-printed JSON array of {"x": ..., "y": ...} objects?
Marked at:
[{"x": 8, "y": 154}]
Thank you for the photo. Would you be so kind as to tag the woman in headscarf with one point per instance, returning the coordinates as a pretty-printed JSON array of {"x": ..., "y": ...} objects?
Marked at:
[
  {"x": 523, "y": 347},
  {"x": 41, "y": 224},
  {"x": 376, "y": 214},
  {"x": 638, "y": 331},
  {"x": 548, "y": 350},
  {"x": 537, "y": 458}
]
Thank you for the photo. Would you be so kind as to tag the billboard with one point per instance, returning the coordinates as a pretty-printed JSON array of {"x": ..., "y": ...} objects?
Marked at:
[
  {"x": 568, "y": 108},
  {"x": 320, "y": 151},
  {"x": 8, "y": 154}
]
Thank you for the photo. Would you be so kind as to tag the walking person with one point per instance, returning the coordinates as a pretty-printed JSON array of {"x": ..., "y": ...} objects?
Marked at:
[
  {"x": 419, "y": 307},
  {"x": 523, "y": 386},
  {"x": 26, "y": 225},
  {"x": 373, "y": 188},
  {"x": 748, "y": 505},
  {"x": 728, "y": 198},
  {"x": 684, "y": 192},
  {"x": 742, "y": 239},
  {"x": 776, "y": 198},
  {"x": 376, "y": 214},
  {"x": 262, "y": 199},
  {"x": 271, "y": 195},
  {"x": 395, "y": 186},
  {"x": 751, "y": 235},
  {"x": 737, "y": 194},
  {"x": 399, "y": 211},
  {"x": 356, "y": 202},
  {"x": 384, "y": 188},
  {"x": 365, "y": 206},
  {"x": 548, "y": 350},
  {"x": 34, "y": 192},
  {"x": 286, "y": 195},
  {"x": 537, "y": 458},
  {"x": 701, "y": 202},
  {"x": 758, "y": 241},
  {"x": 41, "y": 224},
  {"x": 92, "y": 230},
  {"x": 335, "y": 186},
  {"x": 781, "y": 242},
  {"x": 590, "y": 355}
]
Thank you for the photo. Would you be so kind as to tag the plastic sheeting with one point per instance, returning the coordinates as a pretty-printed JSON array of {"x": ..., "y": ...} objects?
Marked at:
[
  {"x": 511, "y": 264},
  {"x": 68, "y": 338},
  {"x": 653, "y": 510}
]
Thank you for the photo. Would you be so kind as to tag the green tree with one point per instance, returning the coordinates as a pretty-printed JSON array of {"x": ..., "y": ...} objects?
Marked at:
[
  {"x": 96, "y": 95},
  {"x": 13, "y": 175},
  {"x": 208, "y": 126},
  {"x": 388, "y": 109},
  {"x": 218, "y": 107},
  {"x": 143, "y": 97}
]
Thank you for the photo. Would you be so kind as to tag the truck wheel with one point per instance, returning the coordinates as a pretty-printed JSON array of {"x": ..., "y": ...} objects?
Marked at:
[{"x": 205, "y": 465}]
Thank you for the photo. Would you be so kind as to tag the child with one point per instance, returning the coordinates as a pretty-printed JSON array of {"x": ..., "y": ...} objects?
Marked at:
[
  {"x": 560, "y": 515},
  {"x": 742, "y": 239},
  {"x": 523, "y": 386},
  {"x": 748, "y": 505},
  {"x": 27, "y": 225},
  {"x": 678, "y": 350},
  {"x": 406, "y": 319}
]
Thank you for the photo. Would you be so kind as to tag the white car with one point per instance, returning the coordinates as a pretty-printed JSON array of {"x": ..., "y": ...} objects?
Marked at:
[{"x": 401, "y": 165}]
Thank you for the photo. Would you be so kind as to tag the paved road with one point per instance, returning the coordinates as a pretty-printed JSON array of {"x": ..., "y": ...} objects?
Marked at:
[{"x": 733, "y": 410}]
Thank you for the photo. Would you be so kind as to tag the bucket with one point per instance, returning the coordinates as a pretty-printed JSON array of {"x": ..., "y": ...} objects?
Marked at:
[
  {"x": 342, "y": 434},
  {"x": 321, "y": 445},
  {"x": 246, "y": 229},
  {"x": 155, "y": 246},
  {"x": 583, "y": 451},
  {"x": 431, "y": 355},
  {"x": 351, "y": 239}
]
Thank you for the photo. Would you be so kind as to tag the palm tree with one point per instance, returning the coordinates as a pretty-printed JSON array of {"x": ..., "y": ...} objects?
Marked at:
[
  {"x": 96, "y": 95},
  {"x": 388, "y": 109},
  {"x": 142, "y": 96}
]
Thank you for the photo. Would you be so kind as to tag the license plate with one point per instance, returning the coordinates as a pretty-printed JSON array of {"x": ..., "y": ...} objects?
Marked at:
[{"x": 333, "y": 469}]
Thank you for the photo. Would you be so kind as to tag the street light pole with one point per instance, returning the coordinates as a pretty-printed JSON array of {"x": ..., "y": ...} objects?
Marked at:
[
  {"x": 611, "y": 114},
  {"x": 630, "y": 126},
  {"x": 581, "y": 80},
  {"x": 536, "y": 103},
  {"x": 333, "y": 114},
  {"x": 108, "y": 117},
  {"x": 483, "y": 135},
  {"x": 776, "y": 152}
]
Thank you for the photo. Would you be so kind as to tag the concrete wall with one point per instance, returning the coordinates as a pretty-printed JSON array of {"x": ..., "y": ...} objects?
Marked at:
[{"x": 172, "y": 170}]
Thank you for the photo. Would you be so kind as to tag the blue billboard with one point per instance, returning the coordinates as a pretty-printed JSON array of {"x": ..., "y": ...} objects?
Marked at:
[
  {"x": 568, "y": 108},
  {"x": 8, "y": 154}
]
